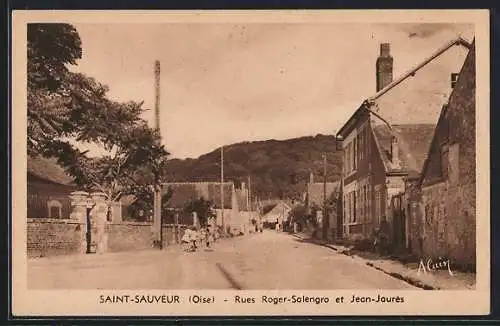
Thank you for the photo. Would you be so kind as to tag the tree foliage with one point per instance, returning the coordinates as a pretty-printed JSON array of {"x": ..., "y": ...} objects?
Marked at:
[
  {"x": 67, "y": 108},
  {"x": 203, "y": 208}
]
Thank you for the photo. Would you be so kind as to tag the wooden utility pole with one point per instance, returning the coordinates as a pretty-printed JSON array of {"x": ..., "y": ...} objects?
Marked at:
[
  {"x": 157, "y": 187},
  {"x": 249, "y": 199},
  {"x": 325, "y": 218},
  {"x": 222, "y": 187}
]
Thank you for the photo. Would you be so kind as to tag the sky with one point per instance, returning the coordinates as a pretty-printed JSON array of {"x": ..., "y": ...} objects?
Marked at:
[{"x": 223, "y": 83}]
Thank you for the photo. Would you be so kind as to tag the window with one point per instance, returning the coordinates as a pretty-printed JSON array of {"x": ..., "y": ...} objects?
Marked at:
[
  {"x": 355, "y": 152},
  {"x": 345, "y": 209},
  {"x": 428, "y": 216},
  {"x": 454, "y": 78},
  {"x": 365, "y": 195},
  {"x": 55, "y": 209},
  {"x": 377, "y": 205},
  {"x": 361, "y": 142},
  {"x": 362, "y": 202}
]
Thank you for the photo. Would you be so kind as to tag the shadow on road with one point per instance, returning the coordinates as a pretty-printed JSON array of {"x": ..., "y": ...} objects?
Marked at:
[{"x": 234, "y": 284}]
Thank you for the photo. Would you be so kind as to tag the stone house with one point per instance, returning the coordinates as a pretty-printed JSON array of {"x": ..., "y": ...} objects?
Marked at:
[
  {"x": 387, "y": 138},
  {"x": 442, "y": 205}
]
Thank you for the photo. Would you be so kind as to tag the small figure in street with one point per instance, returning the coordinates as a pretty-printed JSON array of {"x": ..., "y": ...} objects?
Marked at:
[
  {"x": 190, "y": 237},
  {"x": 208, "y": 236}
]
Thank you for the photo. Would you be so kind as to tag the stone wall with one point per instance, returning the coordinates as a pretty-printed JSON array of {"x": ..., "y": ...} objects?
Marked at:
[
  {"x": 435, "y": 221},
  {"x": 129, "y": 236},
  {"x": 49, "y": 237},
  {"x": 449, "y": 182}
]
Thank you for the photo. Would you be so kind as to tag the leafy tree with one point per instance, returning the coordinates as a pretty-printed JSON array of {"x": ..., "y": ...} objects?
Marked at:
[
  {"x": 65, "y": 108},
  {"x": 203, "y": 209},
  {"x": 300, "y": 214}
]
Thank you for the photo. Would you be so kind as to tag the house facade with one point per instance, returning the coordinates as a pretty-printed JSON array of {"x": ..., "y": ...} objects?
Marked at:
[
  {"x": 443, "y": 203},
  {"x": 48, "y": 189},
  {"x": 387, "y": 138}
]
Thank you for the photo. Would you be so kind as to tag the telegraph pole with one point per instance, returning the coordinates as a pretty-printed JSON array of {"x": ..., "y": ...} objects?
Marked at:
[
  {"x": 222, "y": 187},
  {"x": 249, "y": 198},
  {"x": 325, "y": 224},
  {"x": 157, "y": 187}
]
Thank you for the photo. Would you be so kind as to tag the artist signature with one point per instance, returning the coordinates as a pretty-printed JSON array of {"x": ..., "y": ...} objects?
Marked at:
[{"x": 435, "y": 265}]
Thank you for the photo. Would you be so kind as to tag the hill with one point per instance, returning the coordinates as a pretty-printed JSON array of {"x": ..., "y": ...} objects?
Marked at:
[{"x": 277, "y": 168}]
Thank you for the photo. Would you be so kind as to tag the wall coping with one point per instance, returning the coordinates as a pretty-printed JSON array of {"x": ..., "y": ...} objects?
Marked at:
[
  {"x": 137, "y": 223},
  {"x": 73, "y": 221},
  {"x": 53, "y": 220}
]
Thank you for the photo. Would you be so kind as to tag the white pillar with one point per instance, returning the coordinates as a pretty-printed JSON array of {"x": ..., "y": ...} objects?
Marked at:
[
  {"x": 79, "y": 201},
  {"x": 99, "y": 217}
]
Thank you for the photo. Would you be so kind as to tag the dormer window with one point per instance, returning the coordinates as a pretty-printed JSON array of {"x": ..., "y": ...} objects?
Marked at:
[{"x": 454, "y": 78}]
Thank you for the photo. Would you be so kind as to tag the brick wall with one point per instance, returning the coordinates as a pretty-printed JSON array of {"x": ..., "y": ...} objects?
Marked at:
[{"x": 49, "y": 237}]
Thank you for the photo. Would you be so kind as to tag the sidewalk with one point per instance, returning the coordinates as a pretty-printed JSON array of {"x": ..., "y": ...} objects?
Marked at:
[{"x": 435, "y": 280}]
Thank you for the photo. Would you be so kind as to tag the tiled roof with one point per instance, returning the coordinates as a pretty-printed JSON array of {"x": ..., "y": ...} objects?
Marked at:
[
  {"x": 413, "y": 142},
  {"x": 184, "y": 192},
  {"x": 48, "y": 169},
  {"x": 462, "y": 103},
  {"x": 425, "y": 101},
  {"x": 280, "y": 210},
  {"x": 315, "y": 191}
]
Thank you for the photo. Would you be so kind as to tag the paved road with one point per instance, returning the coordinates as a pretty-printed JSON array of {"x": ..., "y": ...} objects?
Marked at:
[{"x": 268, "y": 260}]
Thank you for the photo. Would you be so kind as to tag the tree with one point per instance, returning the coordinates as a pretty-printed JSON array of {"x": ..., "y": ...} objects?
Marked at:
[
  {"x": 203, "y": 209},
  {"x": 51, "y": 47},
  {"x": 65, "y": 108},
  {"x": 299, "y": 214}
]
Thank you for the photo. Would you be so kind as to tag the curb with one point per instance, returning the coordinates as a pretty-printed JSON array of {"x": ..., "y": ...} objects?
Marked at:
[{"x": 411, "y": 281}]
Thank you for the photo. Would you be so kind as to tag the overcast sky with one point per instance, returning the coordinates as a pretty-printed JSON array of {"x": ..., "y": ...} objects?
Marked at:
[{"x": 226, "y": 83}]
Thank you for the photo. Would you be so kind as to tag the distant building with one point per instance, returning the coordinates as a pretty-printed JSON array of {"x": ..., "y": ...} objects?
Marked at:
[
  {"x": 387, "y": 138},
  {"x": 442, "y": 203},
  {"x": 49, "y": 187},
  {"x": 279, "y": 214},
  {"x": 184, "y": 192},
  {"x": 315, "y": 198}
]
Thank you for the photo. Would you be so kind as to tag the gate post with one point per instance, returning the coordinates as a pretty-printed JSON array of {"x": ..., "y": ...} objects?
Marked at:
[
  {"x": 99, "y": 217},
  {"x": 79, "y": 201}
]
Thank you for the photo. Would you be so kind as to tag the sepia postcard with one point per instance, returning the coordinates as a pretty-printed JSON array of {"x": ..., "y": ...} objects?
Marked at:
[{"x": 197, "y": 163}]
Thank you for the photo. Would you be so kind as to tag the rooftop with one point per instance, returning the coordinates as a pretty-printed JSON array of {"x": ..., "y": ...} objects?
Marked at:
[
  {"x": 49, "y": 170},
  {"x": 413, "y": 141},
  {"x": 184, "y": 192}
]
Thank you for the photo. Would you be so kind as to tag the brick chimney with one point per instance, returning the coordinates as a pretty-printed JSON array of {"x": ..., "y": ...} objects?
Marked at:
[
  {"x": 384, "y": 66},
  {"x": 395, "y": 151}
]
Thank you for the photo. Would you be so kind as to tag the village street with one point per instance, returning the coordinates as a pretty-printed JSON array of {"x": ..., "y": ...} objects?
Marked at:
[{"x": 268, "y": 260}]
